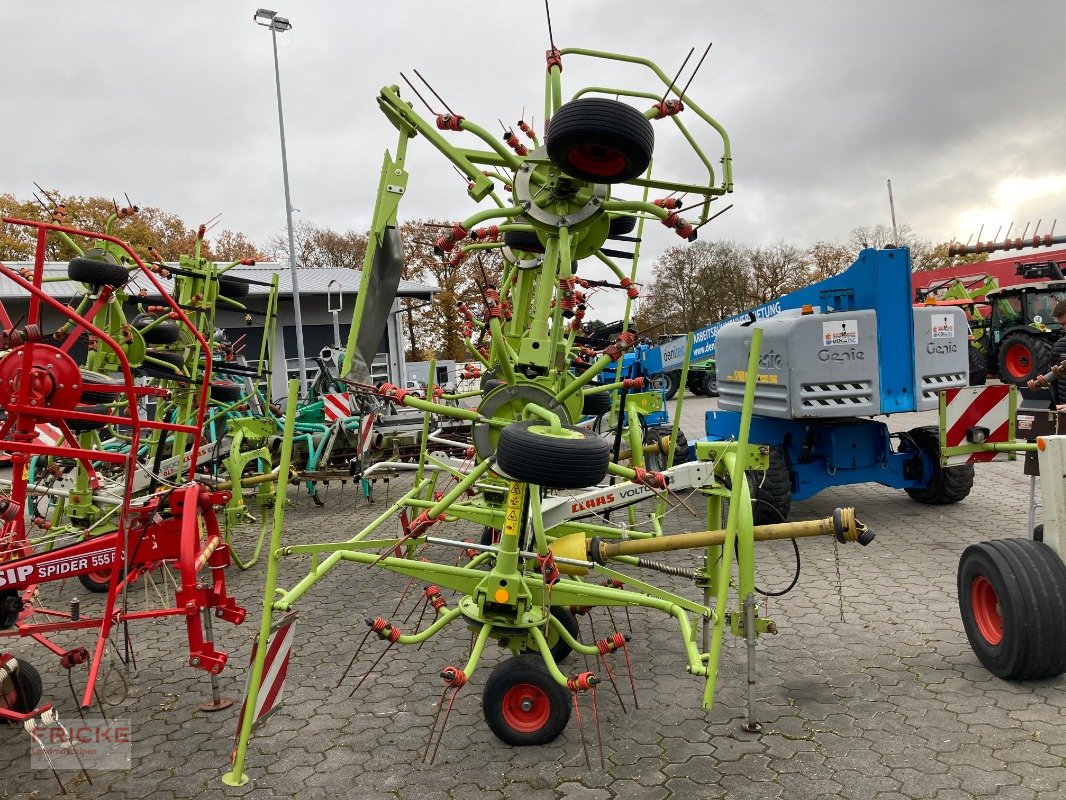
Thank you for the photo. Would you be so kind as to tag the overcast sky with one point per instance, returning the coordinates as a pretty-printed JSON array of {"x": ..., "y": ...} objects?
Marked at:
[{"x": 960, "y": 103}]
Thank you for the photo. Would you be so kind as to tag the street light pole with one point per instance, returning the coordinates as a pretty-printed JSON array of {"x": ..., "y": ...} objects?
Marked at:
[{"x": 276, "y": 23}]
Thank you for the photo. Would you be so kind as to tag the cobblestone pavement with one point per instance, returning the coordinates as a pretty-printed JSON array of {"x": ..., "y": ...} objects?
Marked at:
[{"x": 870, "y": 691}]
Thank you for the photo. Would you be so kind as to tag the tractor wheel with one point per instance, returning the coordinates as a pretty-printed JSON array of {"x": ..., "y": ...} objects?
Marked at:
[
  {"x": 710, "y": 383},
  {"x": 522, "y": 703},
  {"x": 656, "y": 462},
  {"x": 1012, "y": 595},
  {"x": 668, "y": 383},
  {"x": 947, "y": 484},
  {"x": 226, "y": 392},
  {"x": 167, "y": 332},
  {"x": 771, "y": 491},
  {"x": 600, "y": 140},
  {"x": 531, "y": 453},
  {"x": 621, "y": 225},
  {"x": 596, "y": 405},
  {"x": 91, "y": 380},
  {"x": 233, "y": 287},
  {"x": 1023, "y": 357},
  {"x": 526, "y": 241},
  {"x": 97, "y": 273},
  {"x": 84, "y": 425},
  {"x": 978, "y": 366},
  {"x": 20, "y": 687},
  {"x": 556, "y": 644},
  {"x": 98, "y": 582}
]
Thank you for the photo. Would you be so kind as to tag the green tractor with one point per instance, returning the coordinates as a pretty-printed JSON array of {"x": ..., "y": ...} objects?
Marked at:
[{"x": 1020, "y": 330}]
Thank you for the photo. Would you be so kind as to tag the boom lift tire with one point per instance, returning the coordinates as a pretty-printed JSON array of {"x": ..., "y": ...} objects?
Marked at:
[
  {"x": 978, "y": 366},
  {"x": 1012, "y": 596},
  {"x": 600, "y": 140},
  {"x": 527, "y": 453},
  {"x": 947, "y": 484},
  {"x": 667, "y": 382},
  {"x": 771, "y": 491}
]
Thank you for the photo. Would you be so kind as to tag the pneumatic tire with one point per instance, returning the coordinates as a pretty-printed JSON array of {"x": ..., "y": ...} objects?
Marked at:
[
  {"x": 526, "y": 452},
  {"x": 946, "y": 485},
  {"x": 771, "y": 491},
  {"x": 97, "y": 273},
  {"x": 526, "y": 241},
  {"x": 21, "y": 688},
  {"x": 600, "y": 140},
  {"x": 522, "y": 703},
  {"x": 596, "y": 405},
  {"x": 233, "y": 287},
  {"x": 166, "y": 332},
  {"x": 1012, "y": 597}
]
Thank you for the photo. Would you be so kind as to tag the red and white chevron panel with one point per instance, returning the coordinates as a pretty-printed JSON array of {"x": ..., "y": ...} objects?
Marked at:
[
  {"x": 977, "y": 407},
  {"x": 336, "y": 406},
  {"x": 275, "y": 668}
]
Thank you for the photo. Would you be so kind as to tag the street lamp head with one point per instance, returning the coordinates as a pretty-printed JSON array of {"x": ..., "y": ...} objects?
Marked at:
[{"x": 270, "y": 19}]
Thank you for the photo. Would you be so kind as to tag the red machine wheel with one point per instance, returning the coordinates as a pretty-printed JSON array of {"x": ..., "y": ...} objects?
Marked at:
[
  {"x": 986, "y": 612},
  {"x": 20, "y": 684},
  {"x": 600, "y": 140},
  {"x": 523, "y": 705},
  {"x": 1012, "y": 596},
  {"x": 98, "y": 582}
]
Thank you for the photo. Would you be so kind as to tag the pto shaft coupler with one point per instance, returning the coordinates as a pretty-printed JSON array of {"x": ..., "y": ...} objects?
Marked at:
[{"x": 842, "y": 525}]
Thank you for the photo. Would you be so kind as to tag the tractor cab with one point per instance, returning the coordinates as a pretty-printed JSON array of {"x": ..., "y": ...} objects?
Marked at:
[{"x": 1023, "y": 328}]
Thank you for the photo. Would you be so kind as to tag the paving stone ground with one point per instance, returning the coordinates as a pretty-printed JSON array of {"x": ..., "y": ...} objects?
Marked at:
[{"x": 887, "y": 703}]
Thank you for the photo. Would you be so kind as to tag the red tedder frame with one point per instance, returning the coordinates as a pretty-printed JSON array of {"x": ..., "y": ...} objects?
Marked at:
[{"x": 41, "y": 383}]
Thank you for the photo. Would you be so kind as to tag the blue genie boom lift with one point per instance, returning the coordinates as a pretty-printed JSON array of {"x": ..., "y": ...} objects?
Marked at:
[{"x": 836, "y": 354}]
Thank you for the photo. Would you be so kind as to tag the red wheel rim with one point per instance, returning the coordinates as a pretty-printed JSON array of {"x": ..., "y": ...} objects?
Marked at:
[
  {"x": 526, "y": 707},
  {"x": 99, "y": 577},
  {"x": 596, "y": 160},
  {"x": 1018, "y": 360},
  {"x": 985, "y": 607}
]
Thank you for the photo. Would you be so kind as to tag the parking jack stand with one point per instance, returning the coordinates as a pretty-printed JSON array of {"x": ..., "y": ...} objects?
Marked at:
[
  {"x": 752, "y": 725},
  {"x": 217, "y": 701}
]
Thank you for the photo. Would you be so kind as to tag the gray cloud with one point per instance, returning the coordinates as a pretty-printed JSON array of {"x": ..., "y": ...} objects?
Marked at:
[{"x": 823, "y": 101}]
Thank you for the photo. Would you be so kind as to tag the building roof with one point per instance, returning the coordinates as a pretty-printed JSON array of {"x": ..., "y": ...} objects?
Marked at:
[{"x": 310, "y": 281}]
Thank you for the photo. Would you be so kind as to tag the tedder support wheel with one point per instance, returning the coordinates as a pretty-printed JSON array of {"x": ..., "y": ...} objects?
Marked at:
[
  {"x": 978, "y": 366},
  {"x": 1023, "y": 357},
  {"x": 1012, "y": 595},
  {"x": 526, "y": 241},
  {"x": 600, "y": 140},
  {"x": 83, "y": 425},
  {"x": 226, "y": 391},
  {"x": 771, "y": 491},
  {"x": 556, "y": 644},
  {"x": 91, "y": 380},
  {"x": 522, "y": 703},
  {"x": 568, "y": 459},
  {"x": 20, "y": 684},
  {"x": 166, "y": 332},
  {"x": 595, "y": 405},
  {"x": 947, "y": 484},
  {"x": 621, "y": 225},
  {"x": 97, "y": 273},
  {"x": 232, "y": 287},
  {"x": 98, "y": 582}
]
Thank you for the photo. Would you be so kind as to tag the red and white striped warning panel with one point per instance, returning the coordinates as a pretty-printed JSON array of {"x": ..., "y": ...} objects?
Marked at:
[
  {"x": 275, "y": 668},
  {"x": 337, "y": 406},
  {"x": 48, "y": 435},
  {"x": 987, "y": 407}
]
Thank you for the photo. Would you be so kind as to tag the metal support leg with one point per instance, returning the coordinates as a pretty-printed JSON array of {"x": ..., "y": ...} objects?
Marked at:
[
  {"x": 217, "y": 702},
  {"x": 751, "y": 726}
]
